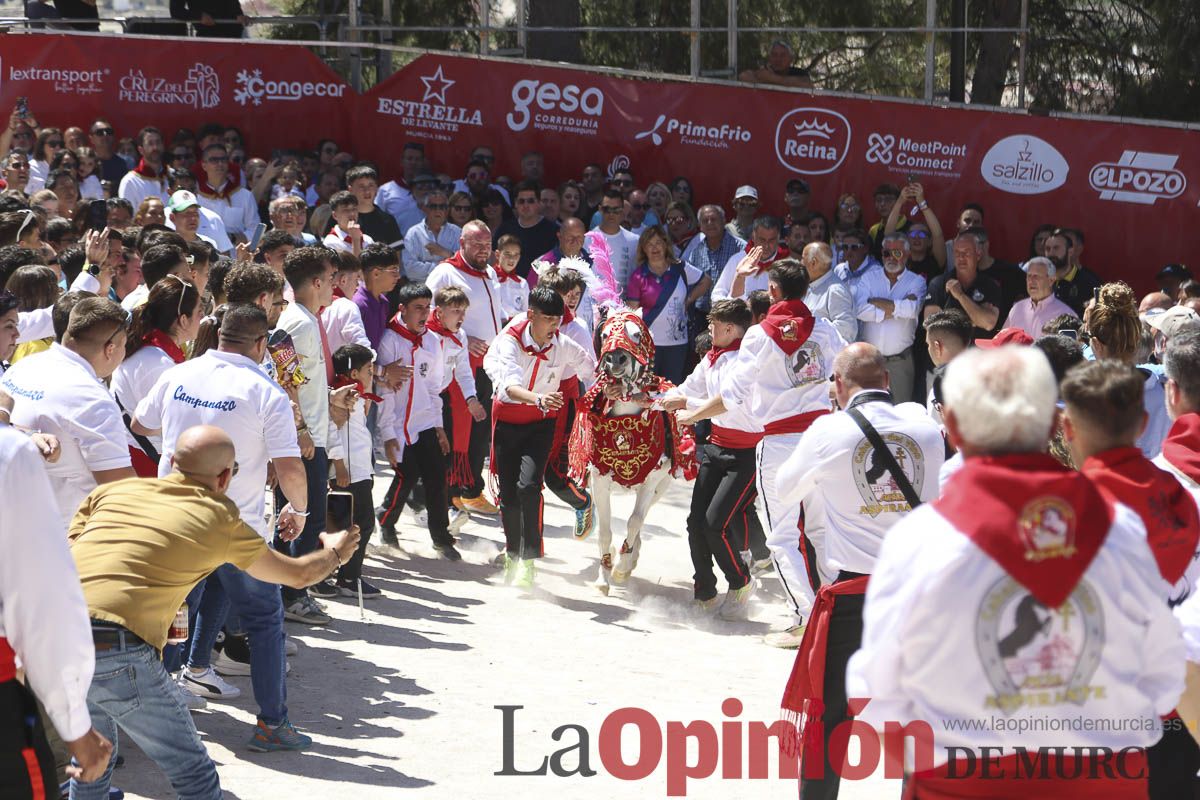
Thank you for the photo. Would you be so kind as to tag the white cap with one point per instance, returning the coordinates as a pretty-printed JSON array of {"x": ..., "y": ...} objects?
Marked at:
[{"x": 745, "y": 191}]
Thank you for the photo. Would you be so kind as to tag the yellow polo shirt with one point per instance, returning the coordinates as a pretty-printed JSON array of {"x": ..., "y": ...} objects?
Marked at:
[{"x": 141, "y": 545}]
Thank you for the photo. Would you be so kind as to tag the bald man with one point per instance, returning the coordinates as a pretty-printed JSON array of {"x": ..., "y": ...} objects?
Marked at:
[
  {"x": 1155, "y": 300},
  {"x": 140, "y": 547},
  {"x": 857, "y": 472}
]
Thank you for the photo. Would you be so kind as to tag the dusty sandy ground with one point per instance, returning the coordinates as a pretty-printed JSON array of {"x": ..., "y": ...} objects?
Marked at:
[{"x": 406, "y": 699}]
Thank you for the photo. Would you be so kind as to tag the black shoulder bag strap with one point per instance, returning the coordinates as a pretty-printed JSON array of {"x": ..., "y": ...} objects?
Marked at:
[
  {"x": 144, "y": 443},
  {"x": 884, "y": 454}
]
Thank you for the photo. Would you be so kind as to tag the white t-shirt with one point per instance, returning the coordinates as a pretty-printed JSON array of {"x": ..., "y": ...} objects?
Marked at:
[
  {"x": 343, "y": 325},
  {"x": 669, "y": 328},
  {"x": 622, "y": 246},
  {"x": 336, "y": 240},
  {"x": 135, "y": 189},
  {"x": 231, "y": 392},
  {"x": 58, "y": 392},
  {"x": 134, "y": 379},
  {"x": 356, "y": 442},
  {"x": 723, "y": 289},
  {"x": 239, "y": 211}
]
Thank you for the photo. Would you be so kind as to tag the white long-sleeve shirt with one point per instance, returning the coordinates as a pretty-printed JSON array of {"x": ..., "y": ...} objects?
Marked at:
[
  {"x": 515, "y": 359},
  {"x": 949, "y": 638},
  {"x": 456, "y": 363},
  {"x": 419, "y": 262},
  {"x": 895, "y": 335},
  {"x": 304, "y": 328},
  {"x": 860, "y": 498},
  {"x": 136, "y": 188},
  {"x": 134, "y": 379},
  {"x": 399, "y": 202},
  {"x": 239, "y": 211},
  {"x": 485, "y": 315},
  {"x": 343, "y": 324},
  {"x": 831, "y": 299},
  {"x": 417, "y": 405},
  {"x": 704, "y": 383},
  {"x": 42, "y": 611},
  {"x": 723, "y": 290}
]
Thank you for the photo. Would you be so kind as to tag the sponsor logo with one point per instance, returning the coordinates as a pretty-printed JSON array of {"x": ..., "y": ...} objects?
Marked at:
[
  {"x": 921, "y": 157},
  {"x": 434, "y": 116},
  {"x": 619, "y": 163},
  {"x": 253, "y": 89},
  {"x": 201, "y": 88},
  {"x": 559, "y": 109},
  {"x": 66, "y": 81},
  {"x": 1024, "y": 165},
  {"x": 697, "y": 133},
  {"x": 812, "y": 141},
  {"x": 1138, "y": 177}
]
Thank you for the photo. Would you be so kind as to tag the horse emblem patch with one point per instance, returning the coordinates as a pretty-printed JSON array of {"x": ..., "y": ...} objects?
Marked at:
[
  {"x": 876, "y": 484},
  {"x": 1047, "y": 528}
]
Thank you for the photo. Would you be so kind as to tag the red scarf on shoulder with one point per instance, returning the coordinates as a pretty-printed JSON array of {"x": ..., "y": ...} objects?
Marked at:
[
  {"x": 789, "y": 323},
  {"x": 765, "y": 264},
  {"x": 147, "y": 171},
  {"x": 397, "y": 325},
  {"x": 459, "y": 263},
  {"x": 716, "y": 352},
  {"x": 345, "y": 380},
  {"x": 1182, "y": 446},
  {"x": 162, "y": 341}
]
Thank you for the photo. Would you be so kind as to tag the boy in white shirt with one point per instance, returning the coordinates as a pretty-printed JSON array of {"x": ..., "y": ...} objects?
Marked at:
[
  {"x": 410, "y": 418},
  {"x": 341, "y": 319},
  {"x": 526, "y": 364},
  {"x": 514, "y": 290},
  {"x": 346, "y": 235},
  {"x": 354, "y": 365}
]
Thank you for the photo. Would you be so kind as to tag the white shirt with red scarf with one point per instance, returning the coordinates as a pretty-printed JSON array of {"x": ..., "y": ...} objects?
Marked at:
[
  {"x": 735, "y": 428},
  {"x": 781, "y": 375},
  {"x": 514, "y": 293},
  {"x": 723, "y": 290},
  {"x": 456, "y": 363},
  {"x": 515, "y": 359},
  {"x": 485, "y": 315},
  {"x": 1022, "y": 595},
  {"x": 338, "y": 239},
  {"x": 417, "y": 405}
]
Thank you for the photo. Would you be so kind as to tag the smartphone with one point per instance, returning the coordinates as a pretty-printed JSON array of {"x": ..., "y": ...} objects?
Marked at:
[
  {"x": 1070, "y": 333},
  {"x": 97, "y": 215},
  {"x": 341, "y": 509},
  {"x": 259, "y": 230},
  {"x": 22, "y": 107},
  {"x": 910, "y": 178}
]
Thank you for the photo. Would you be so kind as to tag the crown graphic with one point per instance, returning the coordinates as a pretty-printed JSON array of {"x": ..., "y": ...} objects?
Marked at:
[
  {"x": 814, "y": 128},
  {"x": 1025, "y": 153}
]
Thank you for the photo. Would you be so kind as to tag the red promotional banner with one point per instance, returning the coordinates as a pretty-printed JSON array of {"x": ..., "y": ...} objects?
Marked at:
[
  {"x": 278, "y": 95},
  {"x": 1133, "y": 189}
]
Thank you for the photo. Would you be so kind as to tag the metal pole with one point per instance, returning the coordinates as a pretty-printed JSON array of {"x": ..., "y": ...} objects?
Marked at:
[
  {"x": 383, "y": 62},
  {"x": 695, "y": 37},
  {"x": 522, "y": 21},
  {"x": 958, "y": 52},
  {"x": 1021, "y": 58},
  {"x": 732, "y": 23},
  {"x": 930, "y": 21},
  {"x": 485, "y": 25},
  {"x": 355, "y": 53}
]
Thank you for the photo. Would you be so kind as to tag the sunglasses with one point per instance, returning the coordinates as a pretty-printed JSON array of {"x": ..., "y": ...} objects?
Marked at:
[
  {"x": 854, "y": 247},
  {"x": 217, "y": 159},
  {"x": 611, "y": 209},
  {"x": 183, "y": 291},
  {"x": 623, "y": 183},
  {"x": 918, "y": 234},
  {"x": 55, "y": 143},
  {"x": 436, "y": 206},
  {"x": 676, "y": 220},
  {"x": 527, "y": 201},
  {"x": 462, "y": 208},
  {"x": 29, "y": 217},
  {"x": 638, "y": 206},
  {"x": 103, "y": 132}
]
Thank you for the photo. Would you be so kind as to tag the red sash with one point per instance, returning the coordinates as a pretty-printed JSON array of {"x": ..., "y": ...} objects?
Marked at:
[
  {"x": 1182, "y": 446},
  {"x": 8, "y": 661},
  {"x": 159, "y": 339},
  {"x": 795, "y": 424},
  {"x": 1165, "y": 506},
  {"x": 734, "y": 439},
  {"x": 789, "y": 323},
  {"x": 1011, "y": 780},
  {"x": 1039, "y": 521},
  {"x": 143, "y": 465}
]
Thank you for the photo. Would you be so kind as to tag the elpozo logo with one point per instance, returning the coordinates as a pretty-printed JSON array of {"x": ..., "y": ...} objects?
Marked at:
[
  {"x": 718, "y": 137},
  {"x": 917, "y": 156},
  {"x": 559, "y": 109},
  {"x": 1138, "y": 177},
  {"x": 433, "y": 115},
  {"x": 1024, "y": 164},
  {"x": 812, "y": 141},
  {"x": 253, "y": 89},
  {"x": 201, "y": 88}
]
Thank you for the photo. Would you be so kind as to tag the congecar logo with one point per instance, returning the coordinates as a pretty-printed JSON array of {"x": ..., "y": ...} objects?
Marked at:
[
  {"x": 919, "y": 156},
  {"x": 434, "y": 115},
  {"x": 812, "y": 141},
  {"x": 201, "y": 88},
  {"x": 1138, "y": 177},
  {"x": 1024, "y": 164},
  {"x": 560, "y": 109},
  {"x": 697, "y": 133},
  {"x": 253, "y": 89}
]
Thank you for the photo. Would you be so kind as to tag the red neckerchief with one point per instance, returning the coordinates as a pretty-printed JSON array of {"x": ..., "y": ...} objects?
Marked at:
[
  {"x": 716, "y": 352},
  {"x": 146, "y": 171},
  {"x": 1182, "y": 446},
  {"x": 159, "y": 339},
  {"x": 568, "y": 315},
  {"x": 1167, "y": 508},
  {"x": 789, "y": 323},
  {"x": 1039, "y": 521},
  {"x": 346, "y": 380},
  {"x": 518, "y": 332},
  {"x": 763, "y": 265},
  {"x": 503, "y": 276},
  {"x": 459, "y": 263},
  {"x": 398, "y": 326},
  {"x": 434, "y": 323},
  {"x": 337, "y": 292},
  {"x": 225, "y": 192}
]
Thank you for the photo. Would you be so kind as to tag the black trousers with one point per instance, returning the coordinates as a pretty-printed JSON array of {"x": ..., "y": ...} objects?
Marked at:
[
  {"x": 423, "y": 460},
  {"x": 845, "y": 638},
  {"x": 22, "y": 734},
  {"x": 1173, "y": 762},
  {"x": 363, "y": 517},
  {"x": 481, "y": 435},
  {"x": 557, "y": 478},
  {"x": 521, "y": 452},
  {"x": 717, "y": 524}
]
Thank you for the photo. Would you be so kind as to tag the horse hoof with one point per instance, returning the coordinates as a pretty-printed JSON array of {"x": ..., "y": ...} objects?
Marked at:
[
  {"x": 602, "y": 588},
  {"x": 620, "y": 578}
]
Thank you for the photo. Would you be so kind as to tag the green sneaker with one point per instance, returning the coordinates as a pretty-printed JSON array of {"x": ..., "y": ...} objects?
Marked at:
[
  {"x": 283, "y": 737},
  {"x": 528, "y": 572},
  {"x": 737, "y": 602},
  {"x": 510, "y": 568}
]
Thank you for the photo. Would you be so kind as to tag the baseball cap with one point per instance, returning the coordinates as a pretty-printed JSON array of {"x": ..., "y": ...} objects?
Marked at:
[
  {"x": 797, "y": 185},
  {"x": 745, "y": 191},
  {"x": 1171, "y": 321},
  {"x": 425, "y": 177},
  {"x": 1006, "y": 336},
  {"x": 1174, "y": 271},
  {"x": 183, "y": 199}
]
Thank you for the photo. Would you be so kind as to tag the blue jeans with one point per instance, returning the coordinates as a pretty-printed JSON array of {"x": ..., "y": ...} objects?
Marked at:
[
  {"x": 208, "y": 616},
  {"x": 131, "y": 689},
  {"x": 670, "y": 362},
  {"x": 261, "y": 611},
  {"x": 316, "y": 473}
]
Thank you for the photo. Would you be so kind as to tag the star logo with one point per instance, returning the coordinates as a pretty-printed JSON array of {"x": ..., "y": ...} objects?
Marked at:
[{"x": 436, "y": 86}]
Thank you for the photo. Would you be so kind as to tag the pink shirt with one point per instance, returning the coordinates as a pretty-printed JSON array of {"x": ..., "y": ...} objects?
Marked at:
[{"x": 1030, "y": 318}]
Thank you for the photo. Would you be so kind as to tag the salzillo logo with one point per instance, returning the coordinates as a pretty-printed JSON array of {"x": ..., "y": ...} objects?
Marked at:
[
  {"x": 1138, "y": 177},
  {"x": 202, "y": 89},
  {"x": 812, "y": 141},
  {"x": 696, "y": 133},
  {"x": 580, "y": 109},
  {"x": 1024, "y": 165},
  {"x": 253, "y": 89}
]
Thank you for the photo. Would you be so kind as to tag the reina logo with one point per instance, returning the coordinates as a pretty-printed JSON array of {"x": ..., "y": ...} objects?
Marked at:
[
  {"x": 812, "y": 141},
  {"x": 1138, "y": 177},
  {"x": 1024, "y": 164}
]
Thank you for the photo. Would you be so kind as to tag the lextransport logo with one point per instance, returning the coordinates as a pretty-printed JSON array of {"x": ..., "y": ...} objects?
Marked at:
[
  {"x": 1024, "y": 164},
  {"x": 812, "y": 141},
  {"x": 63, "y": 81},
  {"x": 1138, "y": 177}
]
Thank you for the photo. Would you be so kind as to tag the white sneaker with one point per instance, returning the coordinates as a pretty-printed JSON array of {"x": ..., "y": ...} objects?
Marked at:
[
  {"x": 208, "y": 684},
  {"x": 458, "y": 519},
  {"x": 421, "y": 518},
  {"x": 290, "y": 648},
  {"x": 225, "y": 665},
  {"x": 788, "y": 639},
  {"x": 191, "y": 702},
  {"x": 737, "y": 603}
]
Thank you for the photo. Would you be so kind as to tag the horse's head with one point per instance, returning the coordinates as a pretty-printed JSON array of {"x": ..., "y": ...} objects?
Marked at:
[{"x": 626, "y": 349}]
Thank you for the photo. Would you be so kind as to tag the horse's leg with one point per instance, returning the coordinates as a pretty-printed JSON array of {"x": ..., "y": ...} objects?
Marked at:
[
  {"x": 648, "y": 493},
  {"x": 602, "y": 498}
]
